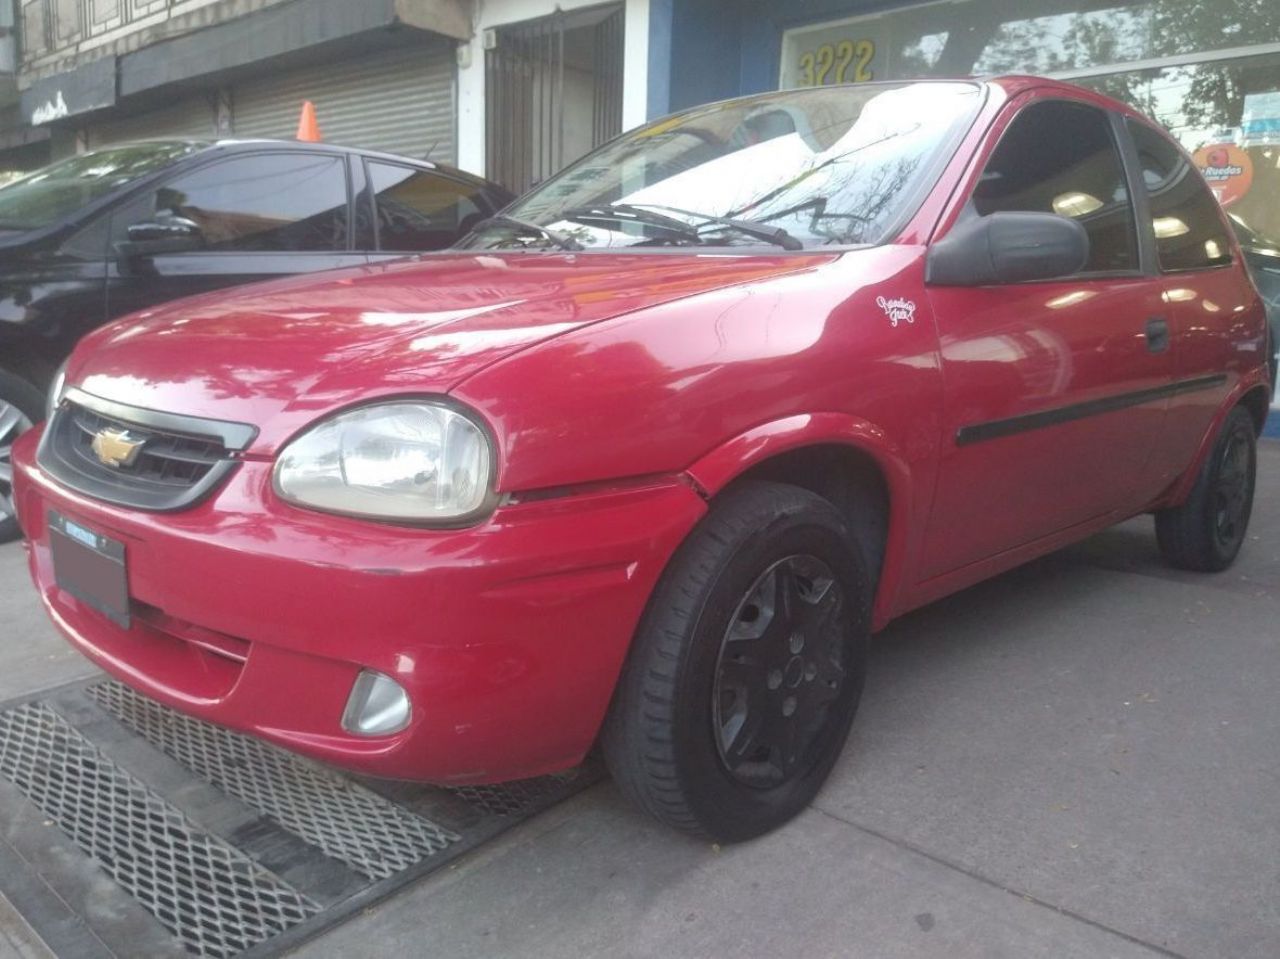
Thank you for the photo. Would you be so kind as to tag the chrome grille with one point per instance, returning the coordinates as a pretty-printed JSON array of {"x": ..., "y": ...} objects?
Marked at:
[
  {"x": 165, "y": 459},
  {"x": 179, "y": 459}
]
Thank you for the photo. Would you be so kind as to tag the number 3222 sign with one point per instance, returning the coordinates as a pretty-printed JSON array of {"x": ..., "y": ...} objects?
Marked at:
[{"x": 844, "y": 61}]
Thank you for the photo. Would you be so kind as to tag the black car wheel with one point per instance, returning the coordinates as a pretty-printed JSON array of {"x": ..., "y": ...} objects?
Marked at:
[
  {"x": 20, "y": 407},
  {"x": 747, "y": 669},
  {"x": 1206, "y": 532}
]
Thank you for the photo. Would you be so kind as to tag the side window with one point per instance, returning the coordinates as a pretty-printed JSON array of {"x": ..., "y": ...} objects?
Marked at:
[
  {"x": 1060, "y": 157},
  {"x": 1190, "y": 234},
  {"x": 274, "y": 202},
  {"x": 90, "y": 242},
  {"x": 419, "y": 210}
]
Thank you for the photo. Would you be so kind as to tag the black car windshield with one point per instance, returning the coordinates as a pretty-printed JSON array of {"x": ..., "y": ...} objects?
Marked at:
[
  {"x": 46, "y": 196},
  {"x": 805, "y": 168}
]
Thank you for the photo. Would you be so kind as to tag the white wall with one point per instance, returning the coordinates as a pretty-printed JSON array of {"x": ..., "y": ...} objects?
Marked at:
[{"x": 496, "y": 13}]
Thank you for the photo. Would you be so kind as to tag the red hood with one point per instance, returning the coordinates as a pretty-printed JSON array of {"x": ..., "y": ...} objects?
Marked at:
[{"x": 277, "y": 355}]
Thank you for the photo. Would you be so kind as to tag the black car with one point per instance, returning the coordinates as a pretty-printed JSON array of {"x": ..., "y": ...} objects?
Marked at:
[
  {"x": 104, "y": 233},
  {"x": 1262, "y": 255}
]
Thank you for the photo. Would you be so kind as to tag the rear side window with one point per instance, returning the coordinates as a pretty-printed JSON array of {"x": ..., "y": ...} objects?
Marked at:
[
  {"x": 1190, "y": 234},
  {"x": 276, "y": 202},
  {"x": 420, "y": 210},
  {"x": 1060, "y": 157}
]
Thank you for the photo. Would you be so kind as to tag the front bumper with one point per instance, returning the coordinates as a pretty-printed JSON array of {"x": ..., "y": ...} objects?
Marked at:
[{"x": 508, "y": 636}]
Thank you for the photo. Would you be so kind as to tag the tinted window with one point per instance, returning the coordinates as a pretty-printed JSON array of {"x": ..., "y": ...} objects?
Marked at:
[
  {"x": 43, "y": 197},
  {"x": 422, "y": 211},
  {"x": 1059, "y": 157},
  {"x": 1189, "y": 230},
  {"x": 263, "y": 203},
  {"x": 89, "y": 243}
]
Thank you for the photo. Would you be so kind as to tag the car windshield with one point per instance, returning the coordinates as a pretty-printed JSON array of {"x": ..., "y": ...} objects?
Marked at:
[
  {"x": 44, "y": 197},
  {"x": 806, "y": 168}
]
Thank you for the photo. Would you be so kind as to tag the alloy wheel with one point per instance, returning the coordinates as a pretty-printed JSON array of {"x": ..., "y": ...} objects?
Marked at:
[
  {"x": 780, "y": 669},
  {"x": 1232, "y": 490},
  {"x": 13, "y": 423}
]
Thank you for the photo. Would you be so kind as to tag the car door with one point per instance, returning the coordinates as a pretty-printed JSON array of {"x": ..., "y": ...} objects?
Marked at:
[
  {"x": 250, "y": 217},
  {"x": 1208, "y": 295},
  {"x": 1055, "y": 392},
  {"x": 417, "y": 210}
]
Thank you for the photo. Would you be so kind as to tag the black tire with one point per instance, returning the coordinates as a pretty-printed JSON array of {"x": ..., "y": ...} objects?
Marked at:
[
  {"x": 769, "y": 559},
  {"x": 1206, "y": 532},
  {"x": 17, "y": 397}
]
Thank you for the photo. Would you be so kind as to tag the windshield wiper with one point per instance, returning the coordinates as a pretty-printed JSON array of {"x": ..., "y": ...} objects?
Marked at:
[
  {"x": 770, "y": 234},
  {"x": 559, "y": 239},
  {"x": 626, "y": 213}
]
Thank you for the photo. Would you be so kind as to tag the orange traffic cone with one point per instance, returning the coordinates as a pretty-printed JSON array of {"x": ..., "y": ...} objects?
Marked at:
[{"x": 308, "y": 128}]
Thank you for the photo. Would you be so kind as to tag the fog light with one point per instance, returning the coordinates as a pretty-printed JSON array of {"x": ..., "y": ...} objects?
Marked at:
[{"x": 377, "y": 705}]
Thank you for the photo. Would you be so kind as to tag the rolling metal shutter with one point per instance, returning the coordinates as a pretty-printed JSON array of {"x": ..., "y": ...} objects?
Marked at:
[
  {"x": 190, "y": 117},
  {"x": 400, "y": 101}
]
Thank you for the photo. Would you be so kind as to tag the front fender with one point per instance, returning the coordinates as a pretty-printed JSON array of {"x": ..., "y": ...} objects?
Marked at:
[{"x": 722, "y": 465}]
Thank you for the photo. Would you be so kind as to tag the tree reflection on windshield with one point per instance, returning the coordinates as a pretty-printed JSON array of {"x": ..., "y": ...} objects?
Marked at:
[
  {"x": 49, "y": 194},
  {"x": 799, "y": 169}
]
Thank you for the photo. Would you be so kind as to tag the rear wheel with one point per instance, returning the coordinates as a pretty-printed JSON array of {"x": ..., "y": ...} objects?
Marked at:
[
  {"x": 20, "y": 408},
  {"x": 747, "y": 668},
  {"x": 1206, "y": 532}
]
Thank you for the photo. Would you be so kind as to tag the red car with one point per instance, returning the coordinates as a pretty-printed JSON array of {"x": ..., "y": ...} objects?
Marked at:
[{"x": 647, "y": 459}]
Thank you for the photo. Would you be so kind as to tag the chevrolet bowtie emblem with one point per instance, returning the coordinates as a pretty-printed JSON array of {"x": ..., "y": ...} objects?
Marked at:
[{"x": 116, "y": 448}]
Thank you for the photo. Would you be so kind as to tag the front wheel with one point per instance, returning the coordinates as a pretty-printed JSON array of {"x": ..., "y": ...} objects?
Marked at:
[
  {"x": 20, "y": 407},
  {"x": 1206, "y": 532},
  {"x": 747, "y": 668}
]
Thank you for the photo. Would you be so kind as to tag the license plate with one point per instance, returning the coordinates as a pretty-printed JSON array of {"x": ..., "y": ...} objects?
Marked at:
[{"x": 91, "y": 567}]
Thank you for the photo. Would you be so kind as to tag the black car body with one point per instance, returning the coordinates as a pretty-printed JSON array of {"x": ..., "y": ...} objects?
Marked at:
[
  {"x": 105, "y": 233},
  {"x": 1263, "y": 258}
]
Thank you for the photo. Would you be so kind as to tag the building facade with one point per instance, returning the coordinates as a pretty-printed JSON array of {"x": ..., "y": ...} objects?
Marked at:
[
  {"x": 90, "y": 73},
  {"x": 1208, "y": 70},
  {"x": 516, "y": 89}
]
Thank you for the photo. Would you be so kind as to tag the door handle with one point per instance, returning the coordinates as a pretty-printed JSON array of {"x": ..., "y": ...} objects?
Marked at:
[{"x": 1157, "y": 334}]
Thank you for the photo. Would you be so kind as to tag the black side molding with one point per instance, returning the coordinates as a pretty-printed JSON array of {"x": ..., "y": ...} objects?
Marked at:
[{"x": 980, "y": 432}]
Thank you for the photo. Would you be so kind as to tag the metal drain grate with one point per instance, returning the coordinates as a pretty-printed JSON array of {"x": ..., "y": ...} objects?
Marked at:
[
  {"x": 515, "y": 798},
  {"x": 215, "y": 900},
  {"x": 375, "y": 837}
]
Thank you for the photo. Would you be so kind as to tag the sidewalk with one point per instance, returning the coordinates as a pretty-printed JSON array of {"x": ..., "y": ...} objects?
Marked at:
[
  {"x": 1078, "y": 759},
  {"x": 17, "y": 939},
  {"x": 32, "y": 657}
]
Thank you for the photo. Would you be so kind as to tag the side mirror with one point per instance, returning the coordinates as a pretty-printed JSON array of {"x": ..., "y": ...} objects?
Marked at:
[
  {"x": 166, "y": 226},
  {"x": 1008, "y": 248},
  {"x": 167, "y": 233}
]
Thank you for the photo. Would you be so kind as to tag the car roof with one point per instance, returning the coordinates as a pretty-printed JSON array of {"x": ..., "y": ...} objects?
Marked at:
[
  {"x": 233, "y": 145},
  {"x": 204, "y": 149},
  {"x": 1006, "y": 87},
  {"x": 1013, "y": 84}
]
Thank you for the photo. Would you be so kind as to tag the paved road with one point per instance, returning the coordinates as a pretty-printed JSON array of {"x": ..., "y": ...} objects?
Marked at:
[{"x": 1081, "y": 758}]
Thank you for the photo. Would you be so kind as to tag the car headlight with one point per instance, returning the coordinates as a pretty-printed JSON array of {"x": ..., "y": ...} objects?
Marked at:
[
  {"x": 56, "y": 389},
  {"x": 413, "y": 460}
]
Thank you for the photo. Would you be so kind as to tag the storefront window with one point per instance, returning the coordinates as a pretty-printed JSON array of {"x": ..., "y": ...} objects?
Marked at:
[
  {"x": 1207, "y": 70},
  {"x": 1227, "y": 115},
  {"x": 1043, "y": 36}
]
